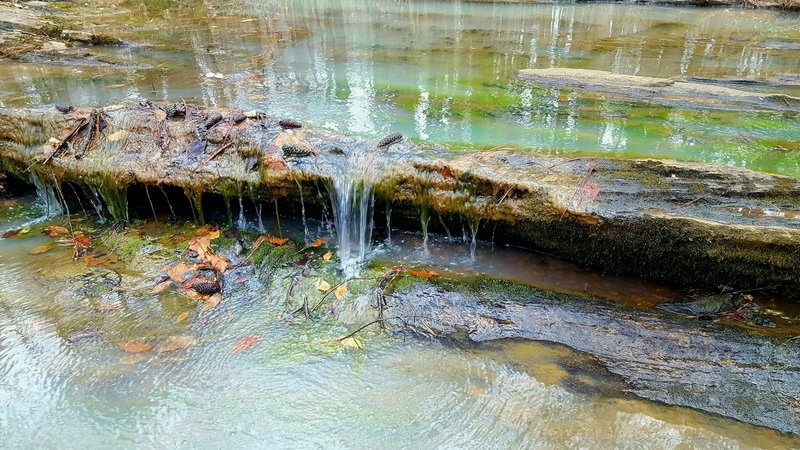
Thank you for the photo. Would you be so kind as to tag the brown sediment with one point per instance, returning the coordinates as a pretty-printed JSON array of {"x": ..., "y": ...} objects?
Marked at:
[{"x": 661, "y": 220}]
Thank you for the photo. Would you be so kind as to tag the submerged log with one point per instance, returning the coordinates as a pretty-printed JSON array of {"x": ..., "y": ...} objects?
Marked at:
[
  {"x": 670, "y": 91},
  {"x": 688, "y": 224},
  {"x": 702, "y": 365}
]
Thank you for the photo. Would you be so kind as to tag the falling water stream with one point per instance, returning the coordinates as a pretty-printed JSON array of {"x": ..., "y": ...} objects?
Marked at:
[{"x": 439, "y": 72}]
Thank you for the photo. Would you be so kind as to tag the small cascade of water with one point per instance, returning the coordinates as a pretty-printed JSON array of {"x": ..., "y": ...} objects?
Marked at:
[
  {"x": 303, "y": 212},
  {"x": 474, "y": 224},
  {"x": 352, "y": 201},
  {"x": 97, "y": 204},
  {"x": 47, "y": 195},
  {"x": 425, "y": 218},
  {"x": 171, "y": 211},
  {"x": 242, "y": 224},
  {"x": 388, "y": 224},
  {"x": 258, "y": 207},
  {"x": 446, "y": 229}
]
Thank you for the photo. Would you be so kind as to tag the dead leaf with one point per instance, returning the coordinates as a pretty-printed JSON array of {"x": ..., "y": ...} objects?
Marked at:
[
  {"x": 240, "y": 280},
  {"x": 83, "y": 241},
  {"x": 177, "y": 272},
  {"x": 323, "y": 285},
  {"x": 447, "y": 173},
  {"x": 219, "y": 263},
  {"x": 591, "y": 190},
  {"x": 92, "y": 261},
  {"x": 43, "y": 248},
  {"x": 177, "y": 343},
  {"x": 277, "y": 164},
  {"x": 191, "y": 293},
  {"x": 278, "y": 242},
  {"x": 161, "y": 287},
  {"x": 55, "y": 230},
  {"x": 422, "y": 273},
  {"x": 160, "y": 114},
  {"x": 113, "y": 137},
  {"x": 351, "y": 342},
  {"x": 11, "y": 233},
  {"x": 318, "y": 243},
  {"x": 182, "y": 317},
  {"x": 212, "y": 301},
  {"x": 134, "y": 346},
  {"x": 327, "y": 256},
  {"x": 244, "y": 343},
  {"x": 340, "y": 291}
]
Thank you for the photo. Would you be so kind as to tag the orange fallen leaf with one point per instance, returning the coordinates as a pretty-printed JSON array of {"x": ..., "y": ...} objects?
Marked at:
[
  {"x": 447, "y": 173},
  {"x": 244, "y": 343},
  {"x": 212, "y": 302},
  {"x": 177, "y": 343},
  {"x": 134, "y": 346},
  {"x": 277, "y": 164},
  {"x": 177, "y": 272},
  {"x": 83, "y": 241},
  {"x": 340, "y": 291},
  {"x": 55, "y": 230},
  {"x": 422, "y": 273},
  {"x": 278, "y": 242},
  {"x": 318, "y": 243},
  {"x": 92, "y": 261},
  {"x": 219, "y": 263}
]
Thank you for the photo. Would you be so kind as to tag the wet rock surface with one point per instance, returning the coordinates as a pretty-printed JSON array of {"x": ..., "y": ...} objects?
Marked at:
[
  {"x": 702, "y": 365},
  {"x": 669, "y": 91},
  {"x": 684, "y": 223}
]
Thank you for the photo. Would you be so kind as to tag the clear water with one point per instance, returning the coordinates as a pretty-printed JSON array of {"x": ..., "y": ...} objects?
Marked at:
[
  {"x": 441, "y": 72},
  {"x": 444, "y": 72}
]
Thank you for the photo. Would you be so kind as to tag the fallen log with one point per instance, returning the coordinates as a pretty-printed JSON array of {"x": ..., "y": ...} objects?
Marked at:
[
  {"x": 669, "y": 91},
  {"x": 688, "y": 224}
]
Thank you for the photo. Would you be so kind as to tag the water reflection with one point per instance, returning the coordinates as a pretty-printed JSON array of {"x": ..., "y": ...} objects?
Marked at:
[{"x": 444, "y": 72}]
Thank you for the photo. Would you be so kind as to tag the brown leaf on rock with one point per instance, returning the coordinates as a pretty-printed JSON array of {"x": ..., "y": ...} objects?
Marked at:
[
  {"x": 178, "y": 271},
  {"x": 422, "y": 273},
  {"x": 55, "y": 230},
  {"x": 11, "y": 233},
  {"x": 83, "y": 241},
  {"x": 276, "y": 241},
  {"x": 447, "y": 173},
  {"x": 244, "y": 343},
  {"x": 219, "y": 263},
  {"x": 161, "y": 287},
  {"x": 134, "y": 346},
  {"x": 318, "y": 243},
  {"x": 94, "y": 261}
]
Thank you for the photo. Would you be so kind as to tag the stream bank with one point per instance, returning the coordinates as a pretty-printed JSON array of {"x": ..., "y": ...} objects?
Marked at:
[{"x": 688, "y": 224}]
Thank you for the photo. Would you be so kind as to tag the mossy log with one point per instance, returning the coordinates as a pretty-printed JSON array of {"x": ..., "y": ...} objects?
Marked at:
[{"x": 688, "y": 224}]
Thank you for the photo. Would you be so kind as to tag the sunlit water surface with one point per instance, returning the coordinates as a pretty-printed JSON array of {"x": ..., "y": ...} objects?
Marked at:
[{"x": 444, "y": 72}]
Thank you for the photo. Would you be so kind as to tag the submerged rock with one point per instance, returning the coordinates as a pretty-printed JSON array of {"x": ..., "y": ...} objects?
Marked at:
[{"x": 701, "y": 365}]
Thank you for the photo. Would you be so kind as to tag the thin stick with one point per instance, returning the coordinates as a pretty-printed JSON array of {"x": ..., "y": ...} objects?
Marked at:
[{"x": 147, "y": 191}]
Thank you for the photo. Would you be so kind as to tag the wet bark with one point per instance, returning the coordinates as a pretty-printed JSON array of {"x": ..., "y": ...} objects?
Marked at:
[{"x": 689, "y": 224}]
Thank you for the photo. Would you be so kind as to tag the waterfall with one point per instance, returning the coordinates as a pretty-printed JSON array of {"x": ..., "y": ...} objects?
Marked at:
[
  {"x": 47, "y": 196},
  {"x": 352, "y": 201}
]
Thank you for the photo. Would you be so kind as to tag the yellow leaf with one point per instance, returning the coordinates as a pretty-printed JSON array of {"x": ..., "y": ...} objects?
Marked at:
[
  {"x": 212, "y": 301},
  {"x": 340, "y": 291},
  {"x": 117, "y": 135},
  {"x": 351, "y": 342},
  {"x": 327, "y": 256},
  {"x": 323, "y": 285},
  {"x": 134, "y": 346},
  {"x": 182, "y": 317}
]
